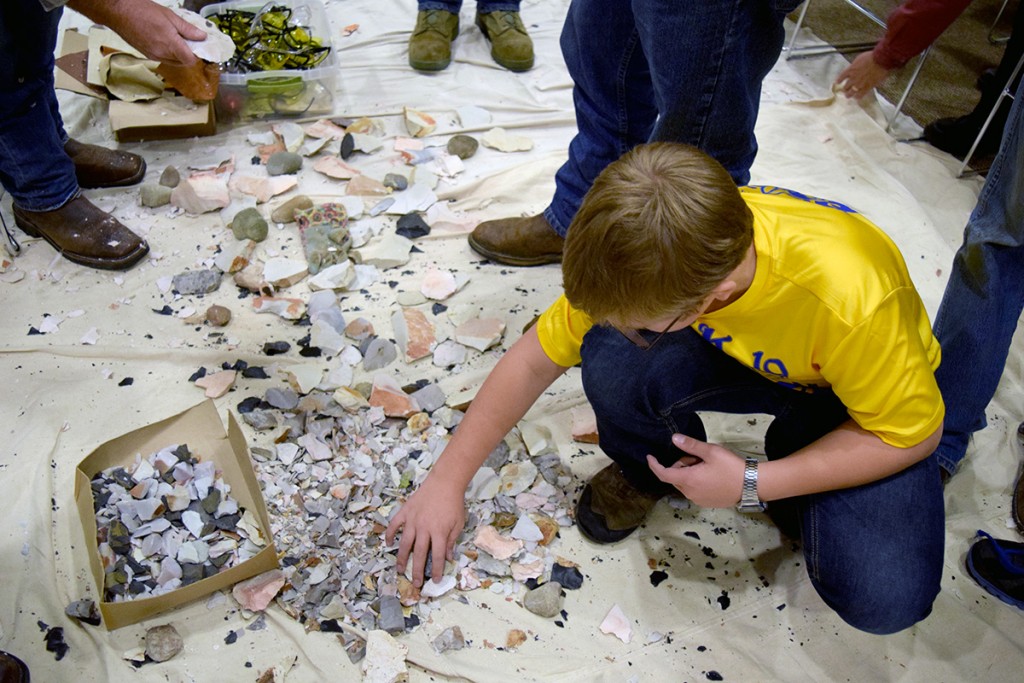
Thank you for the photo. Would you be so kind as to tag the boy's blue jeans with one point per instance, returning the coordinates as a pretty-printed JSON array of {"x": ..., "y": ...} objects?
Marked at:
[
  {"x": 664, "y": 70},
  {"x": 33, "y": 165},
  {"x": 984, "y": 296},
  {"x": 873, "y": 552}
]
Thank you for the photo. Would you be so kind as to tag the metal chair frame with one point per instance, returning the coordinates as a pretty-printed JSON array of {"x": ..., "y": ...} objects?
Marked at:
[
  {"x": 992, "y": 37},
  {"x": 1007, "y": 92},
  {"x": 807, "y": 52}
]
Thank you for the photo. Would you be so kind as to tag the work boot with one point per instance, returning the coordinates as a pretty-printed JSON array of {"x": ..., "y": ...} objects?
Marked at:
[
  {"x": 611, "y": 508},
  {"x": 97, "y": 166},
  {"x": 85, "y": 235},
  {"x": 12, "y": 669},
  {"x": 430, "y": 46},
  {"x": 955, "y": 135},
  {"x": 518, "y": 241},
  {"x": 511, "y": 47}
]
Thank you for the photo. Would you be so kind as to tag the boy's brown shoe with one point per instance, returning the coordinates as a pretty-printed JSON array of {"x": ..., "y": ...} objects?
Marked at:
[
  {"x": 518, "y": 241},
  {"x": 611, "y": 508},
  {"x": 430, "y": 46},
  {"x": 85, "y": 235},
  {"x": 511, "y": 46},
  {"x": 97, "y": 166}
]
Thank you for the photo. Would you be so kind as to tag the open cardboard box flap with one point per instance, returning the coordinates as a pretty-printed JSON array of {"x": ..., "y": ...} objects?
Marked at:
[
  {"x": 171, "y": 117},
  {"x": 201, "y": 429}
]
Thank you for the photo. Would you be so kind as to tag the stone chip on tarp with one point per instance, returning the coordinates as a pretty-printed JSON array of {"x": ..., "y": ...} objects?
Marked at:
[
  {"x": 163, "y": 643},
  {"x": 196, "y": 282}
]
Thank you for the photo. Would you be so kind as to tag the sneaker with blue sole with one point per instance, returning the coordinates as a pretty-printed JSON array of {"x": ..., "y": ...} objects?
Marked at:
[{"x": 998, "y": 567}]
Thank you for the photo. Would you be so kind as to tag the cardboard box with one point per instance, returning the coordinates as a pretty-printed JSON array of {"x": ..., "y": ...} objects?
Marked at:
[
  {"x": 170, "y": 117},
  {"x": 279, "y": 94},
  {"x": 201, "y": 429}
]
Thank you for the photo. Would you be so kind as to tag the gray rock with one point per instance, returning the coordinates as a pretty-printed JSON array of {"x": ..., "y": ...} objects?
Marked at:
[
  {"x": 450, "y": 639},
  {"x": 545, "y": 600},
  {"x": 379, "y": 353},
  {"x": 196, "y": 282},
  {"x": 348, "y": 145},
  {"x": 396, "y": 181},
  {"x": 170, "y": 177},
  {"x": 391, "y": 618},
  {"x": 154, "y": 196},
  {"x": 462, "y": 146},
  {"x": 84, "y": 610},
  {"x": 248, "y": 224},
  {"x": 285, "y": 399},
  {"x": 283, "y": 163},
  {"x": 498, "y": 457},
  {"x": 430, "y": 397},
  {"x": 218, "y": 316},
  {"x": 163, "y": 643},
  {"x": 286, "y": 212},
  {"x": 260, "y": 419}
]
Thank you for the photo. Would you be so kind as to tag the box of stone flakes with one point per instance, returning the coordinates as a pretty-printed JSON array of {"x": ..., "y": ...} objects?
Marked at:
[{"x": 171, "y": 512}]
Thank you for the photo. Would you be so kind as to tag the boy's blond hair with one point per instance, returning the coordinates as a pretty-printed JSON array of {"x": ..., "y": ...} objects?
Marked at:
[{"x": 661, "y": 227}]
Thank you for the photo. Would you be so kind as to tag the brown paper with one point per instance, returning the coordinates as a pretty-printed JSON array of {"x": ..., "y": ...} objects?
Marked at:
[
  {"x": 170, "y": 117},
  {"x": 201, "y": 429}
]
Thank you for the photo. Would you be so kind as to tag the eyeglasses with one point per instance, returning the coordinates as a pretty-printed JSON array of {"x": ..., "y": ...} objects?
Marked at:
[{"x": 640, "y": 340}]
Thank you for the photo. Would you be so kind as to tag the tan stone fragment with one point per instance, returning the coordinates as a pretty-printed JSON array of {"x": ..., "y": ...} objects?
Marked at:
[
  {"x": 388, "y": 395},
  {"x": 218, "y": 383},
  {"x": 414, "y": 333}
]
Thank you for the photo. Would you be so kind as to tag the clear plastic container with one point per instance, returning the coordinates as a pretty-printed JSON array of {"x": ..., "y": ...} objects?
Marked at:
[{"x": 284, "y": 93}]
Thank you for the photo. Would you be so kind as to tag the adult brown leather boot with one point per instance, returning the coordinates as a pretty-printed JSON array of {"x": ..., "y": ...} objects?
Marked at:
[
  {"x": 12, "y": 669},
  {"x": 518, "y": 241},
  {"x": 610, "y": 508},
  {"x": 85, "y": 235},
  {"x": 97, "y": 166}
]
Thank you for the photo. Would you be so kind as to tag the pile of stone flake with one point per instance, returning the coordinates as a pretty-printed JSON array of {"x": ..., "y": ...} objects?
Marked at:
[{"x": 332, "y": 478}]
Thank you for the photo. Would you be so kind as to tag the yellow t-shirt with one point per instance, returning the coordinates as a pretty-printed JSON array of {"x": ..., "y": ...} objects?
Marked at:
[{"x": 831, "y": 305}]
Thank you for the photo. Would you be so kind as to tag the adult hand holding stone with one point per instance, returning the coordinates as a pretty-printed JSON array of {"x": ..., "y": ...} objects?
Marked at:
[{"x": 154, "y": 30}]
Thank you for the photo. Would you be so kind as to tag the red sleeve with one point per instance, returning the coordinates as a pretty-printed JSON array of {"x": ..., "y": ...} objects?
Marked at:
[{"x": 912, "y": 27}]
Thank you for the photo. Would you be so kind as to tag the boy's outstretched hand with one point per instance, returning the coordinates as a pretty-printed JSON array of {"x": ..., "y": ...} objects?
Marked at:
[
  {"x": 716, "y": 478},
  {"x": 431, "y": 520}
]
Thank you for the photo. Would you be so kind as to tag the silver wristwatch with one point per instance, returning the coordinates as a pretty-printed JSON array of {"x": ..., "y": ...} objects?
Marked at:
[{"x": 749, "y": 502}]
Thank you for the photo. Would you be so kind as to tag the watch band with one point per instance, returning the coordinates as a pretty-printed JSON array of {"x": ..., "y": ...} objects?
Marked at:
[{"x": 749, "y": 502}]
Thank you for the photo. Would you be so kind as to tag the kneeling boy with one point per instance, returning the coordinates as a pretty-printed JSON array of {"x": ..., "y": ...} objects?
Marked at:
[{"x": 684, "y": 293}]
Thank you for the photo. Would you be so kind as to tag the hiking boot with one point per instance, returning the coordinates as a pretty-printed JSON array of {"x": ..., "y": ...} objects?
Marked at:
[
  {"x": 998, "y": 567},
  {"x": 430, "y": 46},
  {"x": 518, "y": 241},
  {"x": 97, "y": 166},
  {"x": 85, "y": 235},
  {"x": 511, "y": 46},
  {"x": 12, "y": 669},
  {"x": 611, "y": 508}
]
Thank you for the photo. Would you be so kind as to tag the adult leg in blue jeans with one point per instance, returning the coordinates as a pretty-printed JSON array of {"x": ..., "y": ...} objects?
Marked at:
[
  {"x": 984, "y": 296},
  {"x": 650, "y": 70},
  {"x": 39, "y": 165},
  {"x": 873, "y": 552}
]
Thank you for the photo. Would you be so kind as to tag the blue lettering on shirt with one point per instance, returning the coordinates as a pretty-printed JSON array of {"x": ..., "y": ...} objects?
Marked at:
[
  {"x": 831, "y": 204},
  {"x": 708, "y": 334}
]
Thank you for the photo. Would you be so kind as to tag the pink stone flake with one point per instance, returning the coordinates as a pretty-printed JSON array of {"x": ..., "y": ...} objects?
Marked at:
[{"x": 256, "y": 593}]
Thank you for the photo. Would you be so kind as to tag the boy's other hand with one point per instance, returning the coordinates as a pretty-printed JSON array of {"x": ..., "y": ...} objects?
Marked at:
[
  {"x": 714, "y": 480},
  {"x": 430, "y": 521}
]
